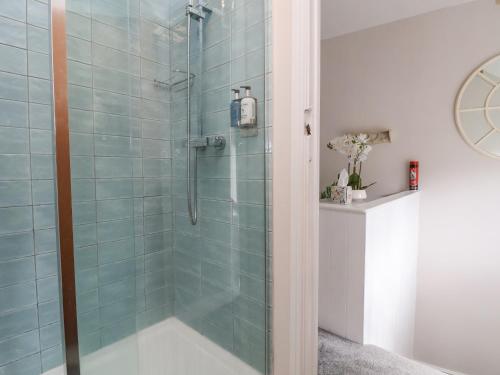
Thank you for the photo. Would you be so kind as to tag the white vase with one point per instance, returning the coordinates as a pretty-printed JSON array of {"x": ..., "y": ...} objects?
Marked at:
[{"x": 359, "y": 195}]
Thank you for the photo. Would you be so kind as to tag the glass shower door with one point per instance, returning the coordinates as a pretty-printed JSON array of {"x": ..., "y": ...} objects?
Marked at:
[
  {"x": 221, "y": 261},
  {"x": 118, "y": 62},
  {"x": 169, "y": 201}
]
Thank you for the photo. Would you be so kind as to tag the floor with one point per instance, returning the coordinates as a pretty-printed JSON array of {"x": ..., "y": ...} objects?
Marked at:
[{"x": 338, "y": 356}]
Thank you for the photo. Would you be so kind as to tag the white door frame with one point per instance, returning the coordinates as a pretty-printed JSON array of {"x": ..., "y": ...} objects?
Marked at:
[{"x": 296, "y": 85}]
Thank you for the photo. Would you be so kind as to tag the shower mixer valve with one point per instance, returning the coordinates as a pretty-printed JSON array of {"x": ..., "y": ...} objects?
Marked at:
[{"x": 216, "y": 141}]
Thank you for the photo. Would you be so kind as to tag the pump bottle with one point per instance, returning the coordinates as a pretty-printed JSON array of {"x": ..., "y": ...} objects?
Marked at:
[
  {"x": 235, "y": 109},
  {"x": 248, "y": 108}
]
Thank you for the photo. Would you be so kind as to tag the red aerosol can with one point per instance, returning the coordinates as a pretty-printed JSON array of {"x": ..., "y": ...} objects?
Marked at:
[{"x": 414, "y": 175}]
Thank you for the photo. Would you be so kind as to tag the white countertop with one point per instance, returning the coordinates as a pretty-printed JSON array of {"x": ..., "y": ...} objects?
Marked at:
[{"x": 363, "y": 206}]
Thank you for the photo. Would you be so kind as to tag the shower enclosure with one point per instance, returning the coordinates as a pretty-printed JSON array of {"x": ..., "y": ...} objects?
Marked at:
[{"x": 134, "y": 231}]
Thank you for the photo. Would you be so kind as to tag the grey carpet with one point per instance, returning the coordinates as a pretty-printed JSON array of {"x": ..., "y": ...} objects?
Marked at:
[{"x": 338, "y": 356}]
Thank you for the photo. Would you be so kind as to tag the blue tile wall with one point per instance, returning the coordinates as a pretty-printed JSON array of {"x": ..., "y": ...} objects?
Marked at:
[{"x": 30, "y": 332}]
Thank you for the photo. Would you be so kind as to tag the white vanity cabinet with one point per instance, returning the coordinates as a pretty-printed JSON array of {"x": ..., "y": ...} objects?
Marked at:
[{"x": 367, "y": 271}]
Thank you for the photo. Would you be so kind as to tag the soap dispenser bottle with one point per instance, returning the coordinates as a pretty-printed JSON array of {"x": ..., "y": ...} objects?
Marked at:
[
  {"x": 235, "y": 109},
  {"x": 248, "y": 108}
]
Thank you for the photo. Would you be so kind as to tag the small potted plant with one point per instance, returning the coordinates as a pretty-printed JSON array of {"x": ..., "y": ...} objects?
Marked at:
[{"x": 356, "y": 149}]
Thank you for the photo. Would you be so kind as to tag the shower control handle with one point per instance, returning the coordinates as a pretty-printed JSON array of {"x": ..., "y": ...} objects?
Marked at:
[{"x": 216, "y": 141}]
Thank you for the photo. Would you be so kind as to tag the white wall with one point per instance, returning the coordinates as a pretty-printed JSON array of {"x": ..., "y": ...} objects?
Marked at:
[{"x": 405, "y": 76}]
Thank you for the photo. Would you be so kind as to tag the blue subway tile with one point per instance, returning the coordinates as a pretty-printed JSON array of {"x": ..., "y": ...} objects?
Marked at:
[
  {"x": 18, "y": 347},
  {"x": 85, "y": 234},
  {"x": 107, "y": 123},
  {"x": 30, "y": 365},
  {"x": 13, "y": 9},
  {"x": 12, "y": 32},
  {"x": 15, "y": 219},
  {"x": 79, "y": 73},
  {"x": 40, "y": 90},
  {"x": 157, "y": 223},
  {"x": 18, "y": 322},
  {"x": 87, "y": 280},
  {"x": 157, "y": 167},
  {"x": 78, "y": 25},
  {"x": 48, "y": 289},
  {"x": 17, "y": 271},
  {"x": 79, "y": 50},
  {"x": 117, "y": 331},
  {"x": 45, "y": 241},
  {"x": 83, "y": 189},
  {"x": 87, "y": 301},
  {"x": 117, "y": 291},
  {"x": 50, "y": 336},
  {"x": 217, "y": 275},
  {"x": 40, "y": 116},
  {"x": 38, "y": 39},
  {"x": 46, "y": 265},
  {"x": 118, "y": 310},
  {"x": 84, "y": 212},
  {"x": 111, "y": 167},
  {"x": 158, "y": 241},
  {"x": 249, "y": 344},
  {"x": 114, "y": 189},
  {"x": 158, "y": 261},
  {"x": 49, "y": 312},
  {"x": 14, "y": 60},
  {"x": 38, "y": 14},
  {"x": 82, "y": 144},
  {"x": 17, "y": 245},
  {"x": 81, "y": 121},
  {"x": 116, "y": 146},
  {"x": 252, "y": 287},
  {"x": 155, "y": 280},
  {"x": 114, "y": 230},
  {"x": 250, "y": 311},
  {"x": 14, "y": 113},
  {"x": 13, "y": 87},
  {"x": 82, "y": 167},
  {"x": 116, "y": 251},
  {"x": 79, "y": 6},
  {"x": 39, "y": 65},
  {"x": 90, "y": 342},
  {"x": 52, "y": 357},
  {"x": 14, "y": 167},
  {"x": 80, "y": 97},
  {"x": 114, "y": 209},
  {"x": 88, "y": 322},
  {"x": 15, "y": 193},
  {"x": 41, "y": 141},
  {"x": 115, "y": 59},
  {"x": 43, "y": 191},
  {"x": 159, "y": 297},
  {"x": 44, "y": 217},
  {"x": 17, "y": 296},
  {"x": 86, "y": 257},
  {"x": 116, "y": 271}
]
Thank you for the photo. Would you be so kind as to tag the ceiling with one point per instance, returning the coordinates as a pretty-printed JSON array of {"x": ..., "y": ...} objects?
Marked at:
[{"x": 346, "y": 16}]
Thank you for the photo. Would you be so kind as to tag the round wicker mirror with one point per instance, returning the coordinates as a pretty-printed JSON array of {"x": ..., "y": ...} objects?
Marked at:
[{"x": 478, "y": 109}]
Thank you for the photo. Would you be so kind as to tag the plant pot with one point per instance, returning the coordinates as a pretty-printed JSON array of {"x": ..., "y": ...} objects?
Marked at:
[{"x": 359, "y": 195}]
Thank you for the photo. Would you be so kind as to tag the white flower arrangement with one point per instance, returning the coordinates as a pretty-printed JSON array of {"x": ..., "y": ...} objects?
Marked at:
[{"x": 356, "y": 149}]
